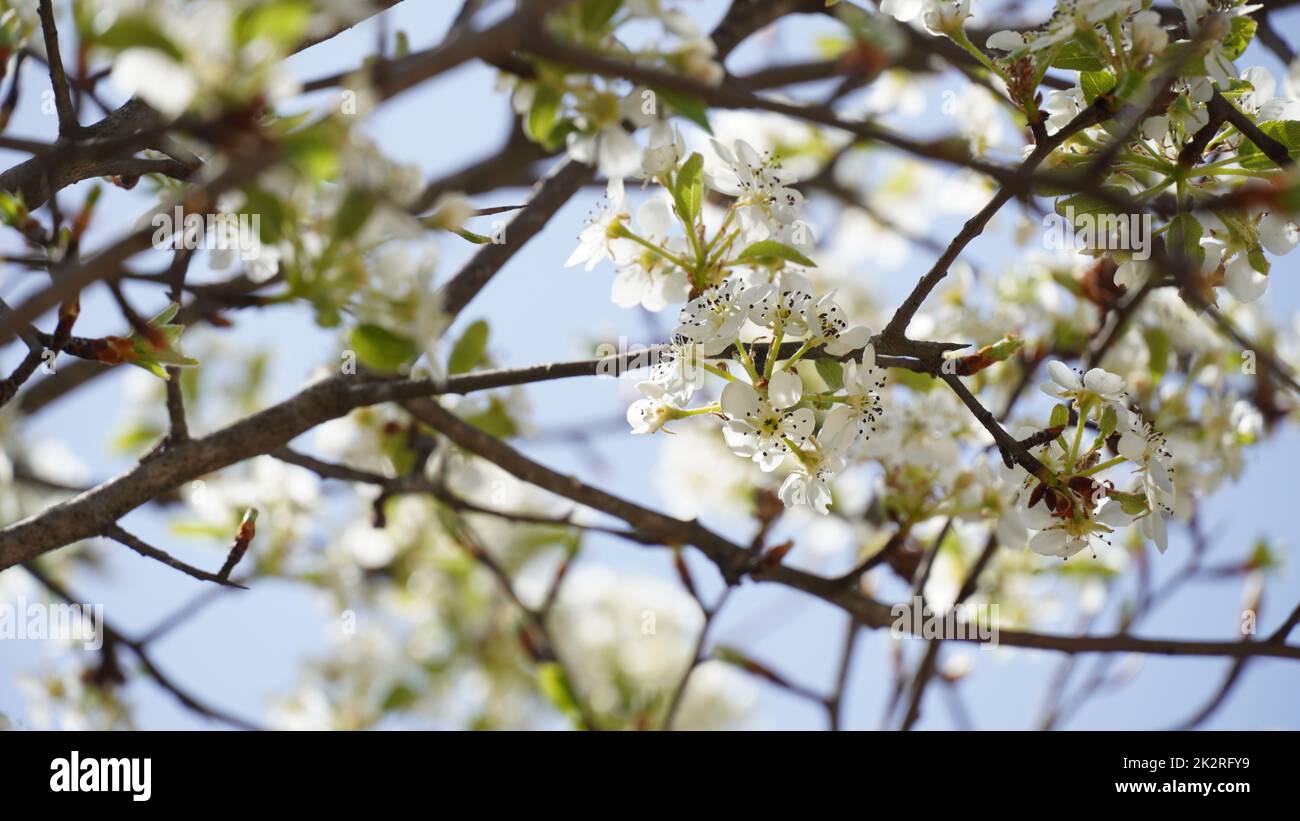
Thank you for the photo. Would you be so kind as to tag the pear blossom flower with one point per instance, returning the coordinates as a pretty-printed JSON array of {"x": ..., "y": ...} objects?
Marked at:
[
  {"x": 853, "y": 420},
  {"x": 713, "y": 319},
  {"x": 1064, "y": 537},
  {"x": 648, "y": 415},
  {"x": 809, "y": 484},
  {"x": 786, "y": 303},
  {"x": 760, "y": 428},
  {"x": 758, "y": 182},
  {"x": 827, "y": 326},
  {"x": 1095, "y": 386},
  {"x": 594, "y": 241},
  {"x": 680, "y": 370},
  {"x": 644, "y": 277}
]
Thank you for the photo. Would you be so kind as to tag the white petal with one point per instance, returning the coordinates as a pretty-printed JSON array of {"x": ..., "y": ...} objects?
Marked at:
[
  {"x": 1049, "y": 542},
  {"x": 740, "y": 401},
  {"x": 838, "y": 429},
  {"x": 785, "y": 389},
  {"x": 1159, "y": 473},
  {"x": 798, "y": 426},
  {"x": 157, "y": 79},
  {"x": 628, "y": 287},
  {"x": 1062, "y": 375},
  {"x": 617, "y": 154},
  {"x": 1243, "y": 281},
  {"x": 1278, "y": 234},
  {"x": 1103, "y": 382},
  {"x": 654, "y": 218},
  {"x": 1133, "y": 447},
  {"x": 1005, "y": 40},
  {"x": 741, "y": 438}
]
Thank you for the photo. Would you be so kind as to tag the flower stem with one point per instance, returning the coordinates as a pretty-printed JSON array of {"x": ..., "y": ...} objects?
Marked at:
[
  {"x": 1078, "y": 433},
  {"x": 770, "y": 365},
  {"x": 803, "y": 349},
  {"x": 1110, "y": 463},
  {"x": 716, "y": 371}
]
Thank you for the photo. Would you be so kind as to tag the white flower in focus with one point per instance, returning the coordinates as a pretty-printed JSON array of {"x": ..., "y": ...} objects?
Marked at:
[
  {"x": 593, "y": 242},
  {"x": 713, "y": 318},
  {"x": 809, "y": 483},
  {"x": 665, "y": 149},
  {"x": 856, "y": 417},
  {"x": 767, "y": 205},
  {"x": 827, "y": 326},
  {"x": 1066, "y": 537},
  {"x": 1095, "y": 386},
  {"x": 759, "y": 428},
  {"x": 650, "y": 414},
  {"x": 787, "y": 303},
  {"x": 680, "y": 370},
  {"x": 644, "y": 277}
]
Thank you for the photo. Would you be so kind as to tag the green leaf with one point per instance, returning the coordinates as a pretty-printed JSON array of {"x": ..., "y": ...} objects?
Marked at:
[
  {"x": 1079, "y": 54},
  {"x": 398, "y": 698},
  {"x": 544, "y": 113},
  {"x": 1109, "y": 419},
  {"x": 139, "y": 31},
  {"x": 1096, "y": 83},
  {"x": 1087, "y": 204},
  {"x": 1060, "y": 417},
  {"x": 1241, "y": 32},
  {"x": 1286, "y": 132},
  {"x": 769, "y": 251},
  {"x": 831, "y": 372},
  {"x": 554, "y": 684},
  {"x": 470, "y": 350},
  {"x": 692, "y": 108},
  {"x": 283, "y": 23},
  {"x": 594, "y": 14},
  {"x": 1158, "y": 346},
  {"x": 688, "y": 190},
  {"x": 1183, "y": 238},
  {"x": 356, "y": 208},
  {"x": 496, "y": 420},
  {"x": 381, "y": 350}
]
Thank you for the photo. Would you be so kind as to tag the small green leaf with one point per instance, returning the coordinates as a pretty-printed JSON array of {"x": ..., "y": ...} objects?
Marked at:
[
  {"x": 692, "y": 108},
  {"x": 1241, "y": 32},
  {"x": 1079, "y": 54},
  {"x": 470, "y": 350},
  {"x": 831, "y": 372},
  {"x": 769, "y": 251},
  {"x": 1184, "y": 239},
  {"x": 496, "y": 420},
  {"x": 1286, "y": 132},
  {"x": 283, "y": 23},
  {"x": 381, "y": 350},
  {"x": 544, "y": 114},
  {"x": 138, "y": 31},
  {"x": 1158, "y": 346},
  {"x": 688, "y": 191},
  {"x": 356, "y": 208},
  {"x": 1060, "y": 417},
  {"x": 1096, "y": 83}
]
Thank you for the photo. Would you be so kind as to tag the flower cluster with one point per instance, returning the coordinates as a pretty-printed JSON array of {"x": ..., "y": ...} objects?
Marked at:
[
  {"x": 1069, "y": 505},
  {"x": 750, "y": 306}
]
